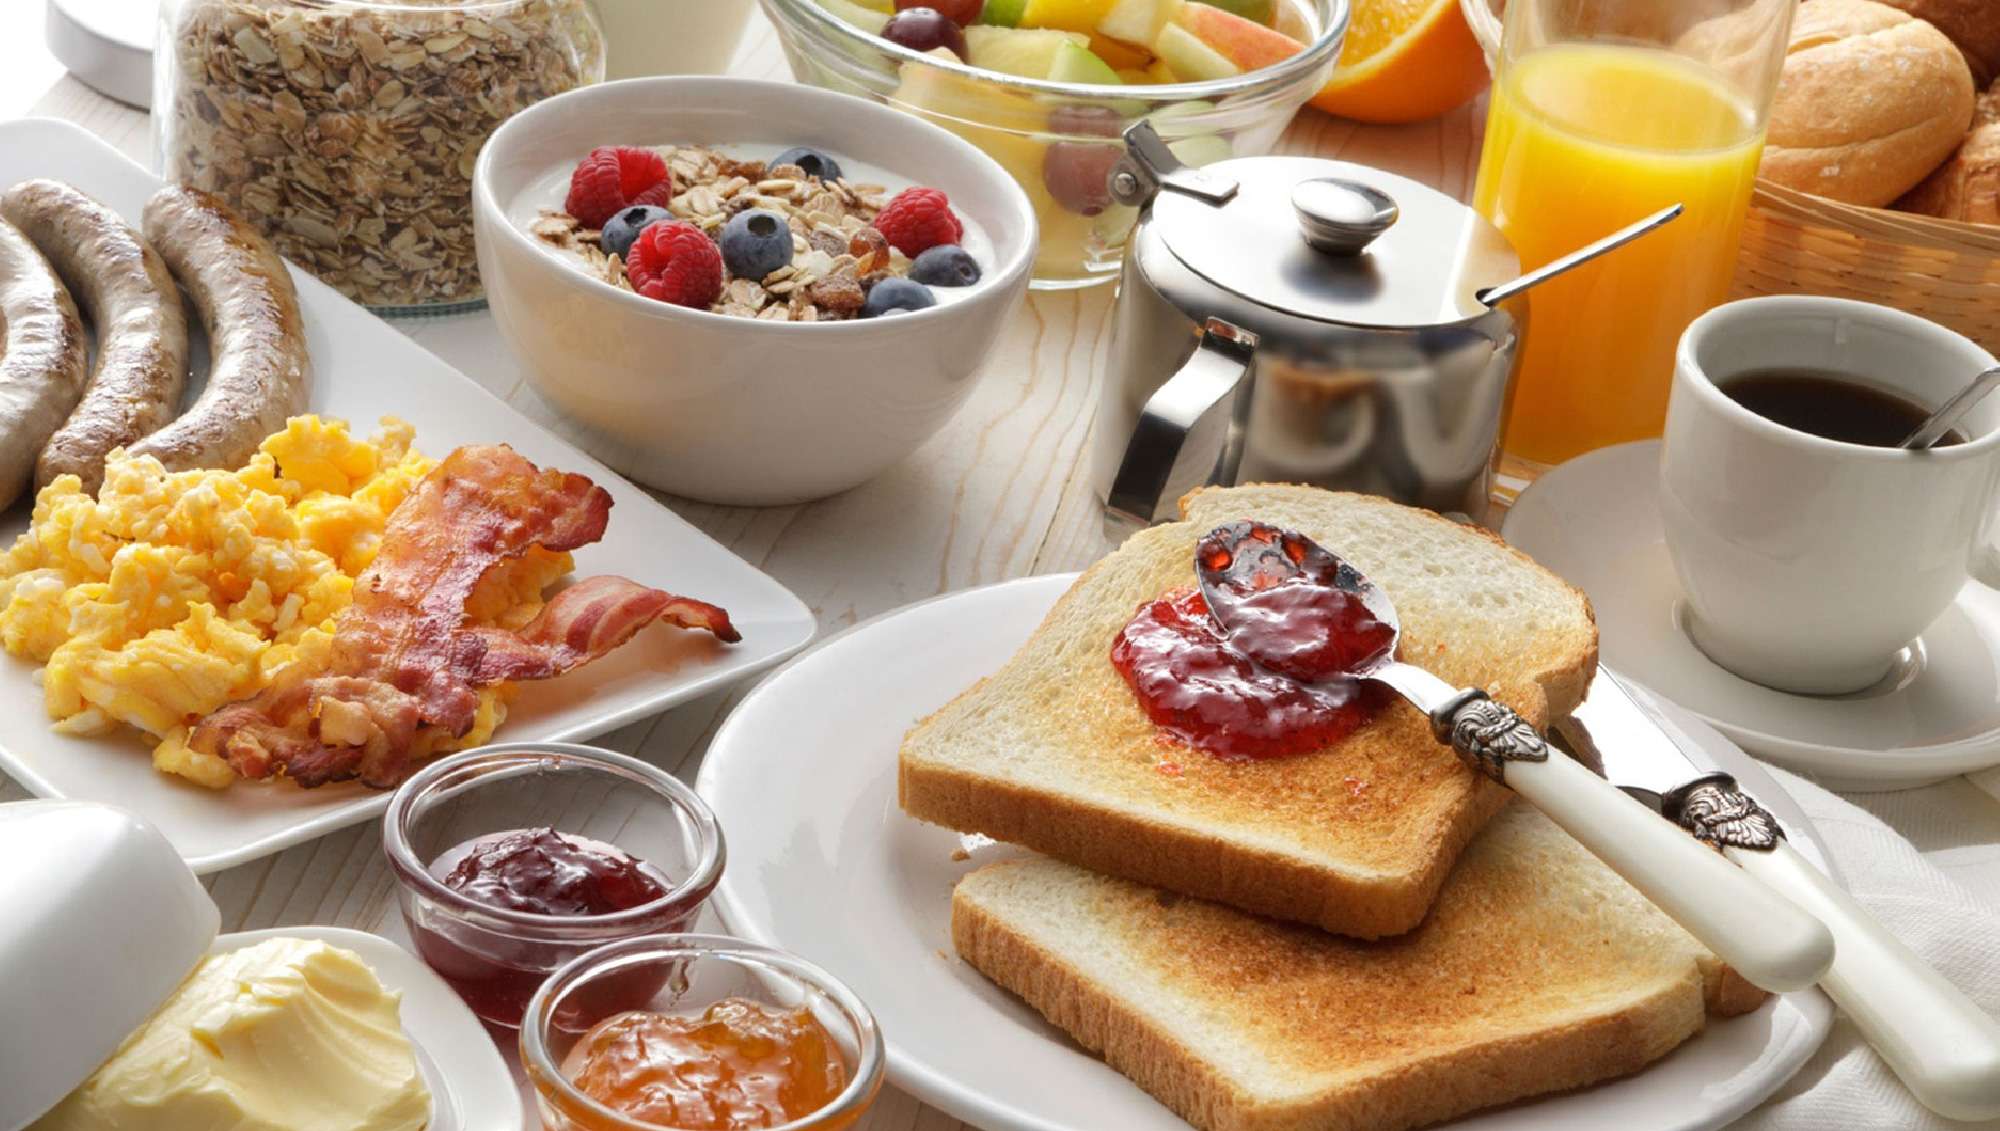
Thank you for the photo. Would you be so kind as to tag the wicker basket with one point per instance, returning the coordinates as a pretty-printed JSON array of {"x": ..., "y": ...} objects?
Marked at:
[{"x": 1797, "y": 243}]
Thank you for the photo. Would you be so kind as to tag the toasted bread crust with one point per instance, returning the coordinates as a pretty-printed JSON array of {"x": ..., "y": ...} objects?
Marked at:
[
  {"x": 1486, "y": 1075},
  {"x": 1263, "y": 837},
  {"x": 1190, "y": 862},
  {"x": 1539, "y": 970}
]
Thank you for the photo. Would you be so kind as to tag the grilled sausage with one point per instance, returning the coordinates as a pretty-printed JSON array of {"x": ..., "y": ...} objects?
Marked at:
[
  {"x": 125, "y": 292},
  {"x": 46, "y": 362},
  {"x": 258, "y": 373}
]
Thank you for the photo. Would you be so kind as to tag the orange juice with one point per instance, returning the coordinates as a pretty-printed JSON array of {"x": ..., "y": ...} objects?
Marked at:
[{"x": 1581, "y": 140}]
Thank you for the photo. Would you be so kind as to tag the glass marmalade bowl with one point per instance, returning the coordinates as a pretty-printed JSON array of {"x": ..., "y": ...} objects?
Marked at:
[
  {"x": 347, "y": 129},
  {"x": 497, "y": 957},
  {"x": 685, "y": 974},
  {"x": 1020, "y": 122}
]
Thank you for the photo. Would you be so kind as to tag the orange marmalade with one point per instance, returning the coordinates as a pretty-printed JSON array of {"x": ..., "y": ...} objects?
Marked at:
[{"x": 738, "y": 1066}]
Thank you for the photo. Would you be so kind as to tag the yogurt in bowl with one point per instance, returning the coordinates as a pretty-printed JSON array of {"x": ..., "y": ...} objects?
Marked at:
[
  {"x": 795, "y": 242},
  {"x": 741, "y": 410}
]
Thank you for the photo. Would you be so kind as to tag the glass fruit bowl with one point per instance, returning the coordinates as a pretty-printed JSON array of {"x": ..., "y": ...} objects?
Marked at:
[{"x": 1059, "y": 139}]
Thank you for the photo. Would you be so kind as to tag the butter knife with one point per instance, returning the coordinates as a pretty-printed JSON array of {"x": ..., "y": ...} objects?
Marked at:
[{"x": 1943, "y": 1047}]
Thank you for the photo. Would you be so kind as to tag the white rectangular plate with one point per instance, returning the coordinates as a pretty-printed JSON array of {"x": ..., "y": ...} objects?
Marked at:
[{"x": 365, "y": 369}]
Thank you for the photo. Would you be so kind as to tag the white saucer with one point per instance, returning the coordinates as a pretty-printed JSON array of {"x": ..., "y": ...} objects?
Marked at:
[
  {"x": 1596, "y": 521},
  {"x": 822, "y": 863}
]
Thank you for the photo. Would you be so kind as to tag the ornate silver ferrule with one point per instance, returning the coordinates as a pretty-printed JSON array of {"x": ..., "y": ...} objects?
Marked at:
[
  {"x": 1487, "y": 734},
  {"x": 1720, "y": 814}
]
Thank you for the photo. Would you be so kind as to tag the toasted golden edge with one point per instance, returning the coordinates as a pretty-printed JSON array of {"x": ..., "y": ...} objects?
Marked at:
[
  {"x": 1193, "y": 863},
  {"x": 1479, "y": 1076},
  {"x": 1125, "y": 844}
]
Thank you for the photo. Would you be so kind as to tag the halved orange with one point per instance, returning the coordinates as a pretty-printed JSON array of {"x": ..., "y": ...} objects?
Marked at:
[{"x": 1404, "y": 61}]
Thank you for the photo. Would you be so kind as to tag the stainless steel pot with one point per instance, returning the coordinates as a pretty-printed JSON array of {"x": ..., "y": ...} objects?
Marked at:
[{"x": 1300, "y": 320}]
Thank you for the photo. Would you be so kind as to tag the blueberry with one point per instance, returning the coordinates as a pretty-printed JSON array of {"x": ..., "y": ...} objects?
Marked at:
[
  {"x": 756, "y": 243},
  {"x": 625, "y": 226},
  {"x": 946, "y": 265},
  {"x": 895, "y": 295},
  {"x": 815, "y": 163}
]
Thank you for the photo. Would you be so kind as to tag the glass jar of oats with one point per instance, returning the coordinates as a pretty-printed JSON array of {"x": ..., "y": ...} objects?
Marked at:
[{"x": 348, "y": 129}]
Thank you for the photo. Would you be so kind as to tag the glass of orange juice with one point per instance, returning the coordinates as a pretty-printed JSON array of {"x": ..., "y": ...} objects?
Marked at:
[{"x": 1604, "y": 111}]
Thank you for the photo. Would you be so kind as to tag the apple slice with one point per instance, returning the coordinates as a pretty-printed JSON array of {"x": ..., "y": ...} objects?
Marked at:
[
  {"x": 1248, "y": 44},
  {"x": 1003, "y": 13},
  {"x": 1079, "y": 65},
  {"x": 1027, "y": 52},
  {"x": 1137, "y": 21},
  {"x": 1189, "y": 58}
]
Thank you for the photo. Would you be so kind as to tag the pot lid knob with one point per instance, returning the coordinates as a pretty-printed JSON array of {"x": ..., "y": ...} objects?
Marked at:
[{"x": 1342, "y": 217}]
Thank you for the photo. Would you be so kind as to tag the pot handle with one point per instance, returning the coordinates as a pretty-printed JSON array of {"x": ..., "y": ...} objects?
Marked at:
[{"x": 1215, "y": 376}]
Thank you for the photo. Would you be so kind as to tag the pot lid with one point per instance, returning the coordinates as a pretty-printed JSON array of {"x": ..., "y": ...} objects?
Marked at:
[
  {"x": 1336, "y": 242},
  {"x": 102, "y": 923}
]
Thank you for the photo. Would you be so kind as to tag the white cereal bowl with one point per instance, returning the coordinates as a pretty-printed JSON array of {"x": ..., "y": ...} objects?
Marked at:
[{"x": 736, "y": 410}]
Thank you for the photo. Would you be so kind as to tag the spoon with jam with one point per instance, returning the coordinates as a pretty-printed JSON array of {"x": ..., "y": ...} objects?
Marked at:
[{"x": 1295, "y": 609}]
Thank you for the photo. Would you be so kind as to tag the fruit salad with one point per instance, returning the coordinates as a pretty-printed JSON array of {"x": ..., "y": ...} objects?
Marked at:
[
  {"x": 800, "y": 236},
  {"x": 1096, "y": 42},
  {"x": 1110, "y": 55}
]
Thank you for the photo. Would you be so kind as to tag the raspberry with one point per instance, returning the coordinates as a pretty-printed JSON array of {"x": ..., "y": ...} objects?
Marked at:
[
  {"x": 918, "y": 219},
  {"x": 676, "y": 262},
  {"x": 614, "y": 178}
]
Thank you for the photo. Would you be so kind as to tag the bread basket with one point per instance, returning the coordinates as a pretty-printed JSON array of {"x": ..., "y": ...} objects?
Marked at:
[{"x": 1796, "y": 243}]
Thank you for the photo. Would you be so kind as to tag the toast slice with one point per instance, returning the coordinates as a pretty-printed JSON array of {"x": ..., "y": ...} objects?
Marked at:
[
  {"x": 1539, "y": 970},
  {"x": 1054, "y": 752}
]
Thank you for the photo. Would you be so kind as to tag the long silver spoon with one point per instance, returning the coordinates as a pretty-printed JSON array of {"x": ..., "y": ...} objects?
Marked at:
[
  {"x": 1252, "y": 575},
  {"x": 1948, "y": 414}
]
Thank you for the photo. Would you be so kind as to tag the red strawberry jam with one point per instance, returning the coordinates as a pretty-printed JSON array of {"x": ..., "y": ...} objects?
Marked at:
[
  {"x": 543, "y": 872},
  {"x": 1203, "y": 690},
  {"x": 496, "y": 965}
]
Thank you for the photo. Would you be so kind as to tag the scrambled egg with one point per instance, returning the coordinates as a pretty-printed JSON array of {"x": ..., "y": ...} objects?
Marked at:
[{"x": 172, "y": 594}]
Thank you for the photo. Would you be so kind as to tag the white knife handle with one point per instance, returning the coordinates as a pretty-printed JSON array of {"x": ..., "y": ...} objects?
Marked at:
[
  {"x": 1765, "y": 937},
  {"x": 1943, "y": 1046}
]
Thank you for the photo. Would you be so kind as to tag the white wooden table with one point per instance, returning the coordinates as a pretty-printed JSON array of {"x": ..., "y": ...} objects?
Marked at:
[{"x": 1001, "y": 492}]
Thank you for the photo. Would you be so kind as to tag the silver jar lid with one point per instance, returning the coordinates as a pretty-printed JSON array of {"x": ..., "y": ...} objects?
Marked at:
[{"x": 1336, "y": 242}]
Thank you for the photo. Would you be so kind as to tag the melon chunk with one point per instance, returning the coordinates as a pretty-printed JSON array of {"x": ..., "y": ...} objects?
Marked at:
[
  {"x": 1027, "y": 52},
  {"x": 1137, "y": 21}
]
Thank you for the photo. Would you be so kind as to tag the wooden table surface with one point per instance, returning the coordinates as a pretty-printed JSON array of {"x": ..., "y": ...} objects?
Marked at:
[{"x": 1001, "y": 492}]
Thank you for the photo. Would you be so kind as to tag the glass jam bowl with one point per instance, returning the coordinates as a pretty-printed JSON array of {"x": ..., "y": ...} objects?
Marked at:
[
  {"x": 1025, "y": 124},
  {"x": 495, "y": 956},
  {"x": 684, "y": 975}
]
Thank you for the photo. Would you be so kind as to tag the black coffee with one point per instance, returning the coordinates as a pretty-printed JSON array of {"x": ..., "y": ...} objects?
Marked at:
[{"x": 1828, "y": 403}]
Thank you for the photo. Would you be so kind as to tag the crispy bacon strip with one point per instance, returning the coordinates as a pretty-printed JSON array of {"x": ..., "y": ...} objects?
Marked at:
[{"x": 405, "y": 666}]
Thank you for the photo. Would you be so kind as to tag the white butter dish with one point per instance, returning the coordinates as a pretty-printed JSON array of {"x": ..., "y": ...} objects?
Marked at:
[{"x": 103, "y": 924}]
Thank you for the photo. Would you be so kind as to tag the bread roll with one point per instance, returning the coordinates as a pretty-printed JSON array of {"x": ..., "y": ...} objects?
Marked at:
[
  {"x": 1967, "y": 187},
  {"x": 1972, "y": 24},
  {"x": 1870, "y": 100}
]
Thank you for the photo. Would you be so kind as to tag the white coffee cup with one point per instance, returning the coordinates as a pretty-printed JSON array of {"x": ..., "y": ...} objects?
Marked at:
[{"x": 1809, "y": 563}]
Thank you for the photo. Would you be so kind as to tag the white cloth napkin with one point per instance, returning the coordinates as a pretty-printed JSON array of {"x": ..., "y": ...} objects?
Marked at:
[{"x": 1845, "y": 1085}]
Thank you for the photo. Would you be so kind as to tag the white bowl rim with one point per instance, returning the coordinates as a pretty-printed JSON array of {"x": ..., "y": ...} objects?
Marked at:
[{"x": 1009, "y": 274}]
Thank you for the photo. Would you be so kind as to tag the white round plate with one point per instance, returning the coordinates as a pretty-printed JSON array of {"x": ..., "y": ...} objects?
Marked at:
[
  {"x": 1596, "y": 521},
  {"x": 822, "y": 863},
  {"x": 471, "y": 1088}
]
